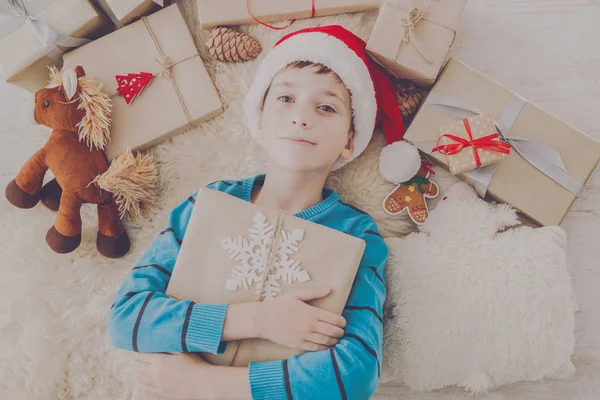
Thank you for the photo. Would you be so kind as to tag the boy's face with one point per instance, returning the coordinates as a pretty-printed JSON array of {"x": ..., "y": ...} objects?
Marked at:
[{"x": 306, "y": 120}]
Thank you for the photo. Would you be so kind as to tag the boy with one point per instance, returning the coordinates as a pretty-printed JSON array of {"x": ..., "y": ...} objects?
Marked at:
[{"x": 313, "y": 106}]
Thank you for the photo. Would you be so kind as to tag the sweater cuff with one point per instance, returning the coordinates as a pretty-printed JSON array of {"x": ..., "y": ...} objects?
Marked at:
[
  {"x": 267, "y": 380},
  {"x": 205, "y": 328}
]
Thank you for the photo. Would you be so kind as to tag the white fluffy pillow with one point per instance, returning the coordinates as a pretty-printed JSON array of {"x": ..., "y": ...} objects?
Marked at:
[{"x": 471, "y": 307}]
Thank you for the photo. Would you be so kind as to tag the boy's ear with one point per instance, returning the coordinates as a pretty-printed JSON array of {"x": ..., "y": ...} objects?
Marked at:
[{"x": 349, "y": 149}]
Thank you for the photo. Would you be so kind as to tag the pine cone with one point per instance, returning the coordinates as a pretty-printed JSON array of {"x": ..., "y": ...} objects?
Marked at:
[
  {"x": 229, "y": 45},
  {"x": 408, "y": 98}
]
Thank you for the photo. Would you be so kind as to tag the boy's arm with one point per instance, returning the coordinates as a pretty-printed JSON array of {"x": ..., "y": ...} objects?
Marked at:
[
  {"x": 350, "y": 370},
  {"x": 144, "y": 319}
]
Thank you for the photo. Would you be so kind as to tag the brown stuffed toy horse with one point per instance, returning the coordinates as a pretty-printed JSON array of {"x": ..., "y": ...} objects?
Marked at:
[{"x": 79, "y": 114}]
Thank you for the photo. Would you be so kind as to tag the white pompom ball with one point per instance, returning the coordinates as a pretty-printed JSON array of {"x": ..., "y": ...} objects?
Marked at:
[{"x": 399, "y": 162}]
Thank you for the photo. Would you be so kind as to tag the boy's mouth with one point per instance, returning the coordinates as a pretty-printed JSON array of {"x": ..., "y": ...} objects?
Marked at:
[{"x": 299, "y": 141}]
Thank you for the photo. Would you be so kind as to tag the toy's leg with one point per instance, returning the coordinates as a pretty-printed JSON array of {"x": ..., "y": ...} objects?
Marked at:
[
  {"x": 112, "y": 240},
  {"x": 65, "y": 234},
  {"x": 50, "y": 194},
  {"x": 24, "y": 190}
]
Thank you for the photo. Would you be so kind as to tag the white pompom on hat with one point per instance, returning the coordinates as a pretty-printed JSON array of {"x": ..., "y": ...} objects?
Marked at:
[
  {"x": 372, "y": 91},
  {"x": 399, "y": 162}
]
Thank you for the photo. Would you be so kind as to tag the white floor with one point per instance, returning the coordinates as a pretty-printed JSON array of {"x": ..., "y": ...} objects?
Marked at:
[{"x": 545, "y": 49}]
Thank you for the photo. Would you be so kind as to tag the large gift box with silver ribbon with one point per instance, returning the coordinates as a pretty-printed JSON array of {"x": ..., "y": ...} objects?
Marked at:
[
  {"x": 411, "y": 38},
  {"x": 124, "y": 12},
  {"x": 549, "y": 162},
  {"x": 213, "y": 13},
  {"x": 156, "y": 54},
  {"x": 35, "y": 33},
  {"x": 249, "y": 254}
]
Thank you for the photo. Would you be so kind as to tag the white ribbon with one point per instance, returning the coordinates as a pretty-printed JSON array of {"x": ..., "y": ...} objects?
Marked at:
[
  {"x": 546, "y": 159},
  {"x": 19, "y": 14}
]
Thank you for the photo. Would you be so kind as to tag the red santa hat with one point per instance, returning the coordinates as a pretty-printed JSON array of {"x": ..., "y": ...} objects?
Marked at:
[{"x": 372, "y": 92}]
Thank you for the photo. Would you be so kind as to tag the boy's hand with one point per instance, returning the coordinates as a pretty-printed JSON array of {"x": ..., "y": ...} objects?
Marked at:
[
  {"x": 289, "y": 321},
  {"x": 174, "y": 376}
]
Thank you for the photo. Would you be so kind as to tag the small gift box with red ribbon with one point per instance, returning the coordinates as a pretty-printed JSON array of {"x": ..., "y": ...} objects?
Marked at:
[{"x": 471, "y": 143}]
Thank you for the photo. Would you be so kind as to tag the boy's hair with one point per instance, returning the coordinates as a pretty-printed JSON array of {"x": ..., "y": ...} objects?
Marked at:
[{"x": 322, "y": 70}]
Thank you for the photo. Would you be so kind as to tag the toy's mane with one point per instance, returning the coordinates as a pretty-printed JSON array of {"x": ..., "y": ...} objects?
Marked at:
[{"x": 94, "y": 127}]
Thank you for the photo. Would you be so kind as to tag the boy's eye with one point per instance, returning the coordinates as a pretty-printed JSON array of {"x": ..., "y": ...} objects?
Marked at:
[
  {"x": 328, "y": 109},
  {"x": 285, "y": 99}
]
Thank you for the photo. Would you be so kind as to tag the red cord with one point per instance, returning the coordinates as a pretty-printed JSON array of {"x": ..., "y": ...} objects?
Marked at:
[{"x": 274, "y": 27}]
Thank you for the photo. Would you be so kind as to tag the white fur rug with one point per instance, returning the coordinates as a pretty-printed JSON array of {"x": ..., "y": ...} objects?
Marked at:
[{"x": 53, "y": 308}]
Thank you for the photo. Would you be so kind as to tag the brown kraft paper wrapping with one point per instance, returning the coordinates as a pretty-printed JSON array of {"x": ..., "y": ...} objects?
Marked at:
[
  {"x": 213, "y": 13},
  {"x": 414, "y": 47},
  {"x": 158, "y": 112},
  {"x": 515, "y": 181},
  {"x": 330, "y": 257}
]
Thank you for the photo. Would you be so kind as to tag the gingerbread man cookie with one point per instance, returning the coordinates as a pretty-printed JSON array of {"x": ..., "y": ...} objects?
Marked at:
[{"x": 412, "y": 195}]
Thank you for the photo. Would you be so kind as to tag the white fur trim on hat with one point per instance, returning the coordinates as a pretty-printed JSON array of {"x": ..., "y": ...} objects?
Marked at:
[{"x": 325, "y": 49}]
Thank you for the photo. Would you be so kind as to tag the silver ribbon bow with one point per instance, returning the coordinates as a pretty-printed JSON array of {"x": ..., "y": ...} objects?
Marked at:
[
  {"x": 546, "y": 159},
  {"x": 20, "y": 14}
]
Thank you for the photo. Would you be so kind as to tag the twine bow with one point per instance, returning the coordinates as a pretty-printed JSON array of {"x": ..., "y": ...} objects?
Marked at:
[
  {"x": 43, "y": 33},
  {"x": 267, "y": 268},
  {"x": 167, "y": 64},
  {"x": 489, "y": 142},
  {"x": 409, "y": 23}
]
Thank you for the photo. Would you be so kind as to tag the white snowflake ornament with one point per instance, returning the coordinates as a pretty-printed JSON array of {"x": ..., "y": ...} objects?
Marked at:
[{"x": 252, "y": 256}]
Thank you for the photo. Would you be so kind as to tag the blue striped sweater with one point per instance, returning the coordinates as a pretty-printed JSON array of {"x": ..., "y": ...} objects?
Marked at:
[{"x": 144, "y": 319}]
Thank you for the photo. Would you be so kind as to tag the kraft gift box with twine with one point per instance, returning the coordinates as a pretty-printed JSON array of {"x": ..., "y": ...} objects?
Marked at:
[
  {"x": 219, "y": 255},
  {"x": 549, "y": 163},
  {"x": 471, "y": 143},
  {"x": 181, "y": 94},
  {"x": 411, "y": 38},
  {"x": 213, "y": 13},
  {"x": 35, "y": 33}
]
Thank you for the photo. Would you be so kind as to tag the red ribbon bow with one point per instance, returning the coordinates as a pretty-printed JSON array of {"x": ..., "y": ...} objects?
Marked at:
[
  {"x": 489, "y": 142},
  {"x": 271, "y": 26}
]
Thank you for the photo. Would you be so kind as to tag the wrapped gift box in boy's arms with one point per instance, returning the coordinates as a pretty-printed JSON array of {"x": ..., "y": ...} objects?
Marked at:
[{"x": 224, "y": 253}]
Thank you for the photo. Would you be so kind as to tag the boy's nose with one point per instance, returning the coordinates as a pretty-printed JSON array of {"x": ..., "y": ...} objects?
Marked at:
[{"x": 301, "y": 123}]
